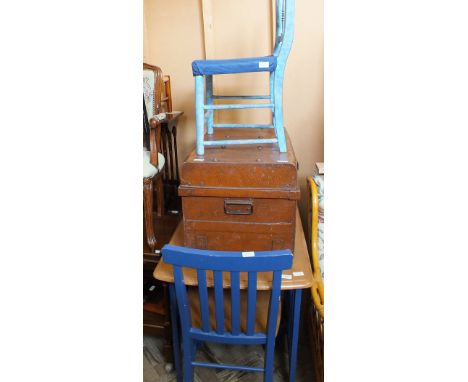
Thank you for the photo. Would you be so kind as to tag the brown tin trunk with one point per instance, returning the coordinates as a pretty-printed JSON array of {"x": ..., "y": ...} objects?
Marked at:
[{"x": 240, "y": 198}]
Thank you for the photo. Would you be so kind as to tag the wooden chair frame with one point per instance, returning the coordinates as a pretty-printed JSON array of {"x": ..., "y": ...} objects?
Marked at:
[
  {"x": 168, "y": 140},
  {"x": 151, "y": 183}
]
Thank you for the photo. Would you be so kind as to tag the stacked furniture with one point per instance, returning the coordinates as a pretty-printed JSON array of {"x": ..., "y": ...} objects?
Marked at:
[
  {"x": 239, "y": 195},
  {"x": 239, "y": 191}
]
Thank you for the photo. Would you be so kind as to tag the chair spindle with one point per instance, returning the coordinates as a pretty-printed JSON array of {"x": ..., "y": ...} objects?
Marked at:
[
  {"x": 203, "y": 295},
  {"x": 251, "y": 302},
  {"x": 219, "y": 301},
  {"x": 235, "y": 303},
  {"x": 181, "y": 293}
]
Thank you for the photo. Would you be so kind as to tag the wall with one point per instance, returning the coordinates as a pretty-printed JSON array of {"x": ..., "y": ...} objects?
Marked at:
[{"x": 174, "y": 37}]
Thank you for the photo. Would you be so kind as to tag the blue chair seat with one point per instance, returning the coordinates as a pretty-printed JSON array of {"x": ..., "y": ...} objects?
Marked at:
[{"x": 238, "y": 65}]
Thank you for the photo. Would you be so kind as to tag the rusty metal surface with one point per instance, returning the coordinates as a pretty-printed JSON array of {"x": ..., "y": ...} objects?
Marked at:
[
  {"x": 260, "y": 171},
  {"x": 240, "y": 197}
]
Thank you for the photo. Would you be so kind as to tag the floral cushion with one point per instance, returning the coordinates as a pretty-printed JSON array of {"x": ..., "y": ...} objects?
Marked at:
[{"x": 148, "y": 91}]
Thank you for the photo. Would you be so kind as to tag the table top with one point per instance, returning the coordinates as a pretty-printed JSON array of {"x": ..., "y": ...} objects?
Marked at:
[{"x": 298, "y": 277}]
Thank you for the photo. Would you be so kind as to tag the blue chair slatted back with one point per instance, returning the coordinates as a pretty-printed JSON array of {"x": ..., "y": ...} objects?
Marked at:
[{"x": 234, "y": 263}]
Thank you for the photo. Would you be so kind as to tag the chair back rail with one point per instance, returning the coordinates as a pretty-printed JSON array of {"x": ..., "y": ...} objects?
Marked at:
[
  {"x": 284, "y": 36},
  {"x": 279, "y": 18}
]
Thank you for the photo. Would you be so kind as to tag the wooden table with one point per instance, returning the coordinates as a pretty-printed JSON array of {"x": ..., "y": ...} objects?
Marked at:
[{"x": 293, "y": 281}]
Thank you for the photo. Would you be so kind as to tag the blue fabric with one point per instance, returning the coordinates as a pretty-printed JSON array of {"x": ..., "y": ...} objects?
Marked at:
[{"x": 238, "y": 65}]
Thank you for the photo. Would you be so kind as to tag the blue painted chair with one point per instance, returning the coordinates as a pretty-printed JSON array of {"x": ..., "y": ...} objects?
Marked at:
[
  {"x": 203, "y": 71},
  {"x": 202, "y": 310}
]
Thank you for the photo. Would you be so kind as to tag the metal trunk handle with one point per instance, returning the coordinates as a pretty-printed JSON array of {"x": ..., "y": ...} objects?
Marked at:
[{"x": 238, "y": 206}]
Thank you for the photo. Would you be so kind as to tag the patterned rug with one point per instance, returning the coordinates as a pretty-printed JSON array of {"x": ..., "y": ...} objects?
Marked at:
[{"x": 154, "y": 365}]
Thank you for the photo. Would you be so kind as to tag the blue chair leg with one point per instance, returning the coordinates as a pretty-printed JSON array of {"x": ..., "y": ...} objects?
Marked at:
[
  {"x": 272, "y": 97},
  {"x": 269, "y": 360},
  {"x": 188, "y": 358},
  {"x": 209, "y": 101},
  {"x": 195, "y": 346},
  {"x": 175, "y": 332},
  {"x": 199, "y": 113},
  {"x": 293, "y": 334},
  {"x": 289, "y": 322},
  {"x": 278, "y": 111},
  {"x": 272, "y": 89}
]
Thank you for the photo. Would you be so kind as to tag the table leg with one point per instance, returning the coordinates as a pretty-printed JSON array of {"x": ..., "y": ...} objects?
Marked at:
[
  {"x": 294, "y": 306},
  {"x": 289, "y": 320},
  {"x": 175, "y": 331}
]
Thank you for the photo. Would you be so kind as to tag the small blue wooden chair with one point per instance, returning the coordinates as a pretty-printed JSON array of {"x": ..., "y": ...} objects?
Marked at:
[
  {"x": 203, "y": 71},
  {"x": 257, "y": 326}
]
